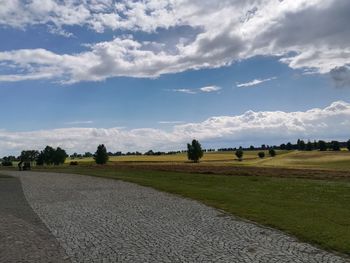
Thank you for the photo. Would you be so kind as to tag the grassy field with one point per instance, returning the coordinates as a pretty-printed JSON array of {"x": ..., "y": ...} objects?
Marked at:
[
  {"x": 315, "y": 211},
  {"x": 286, "y": 159}
]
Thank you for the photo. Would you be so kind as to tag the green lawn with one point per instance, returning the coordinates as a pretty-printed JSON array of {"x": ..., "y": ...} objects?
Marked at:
[{"x": 316, "y": 211}]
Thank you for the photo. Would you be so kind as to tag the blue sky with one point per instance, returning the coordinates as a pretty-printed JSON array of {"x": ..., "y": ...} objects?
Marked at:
[{"x": 146, "y": 73}]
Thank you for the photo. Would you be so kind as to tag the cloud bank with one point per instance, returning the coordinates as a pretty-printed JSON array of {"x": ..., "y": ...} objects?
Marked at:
[
  {"x": 227, "y": 31},
  {"x": 331, "y": 122}
]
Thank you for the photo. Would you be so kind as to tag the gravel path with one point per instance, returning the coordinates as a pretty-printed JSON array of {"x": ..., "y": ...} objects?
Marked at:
[{"x": 103, "y": 220}]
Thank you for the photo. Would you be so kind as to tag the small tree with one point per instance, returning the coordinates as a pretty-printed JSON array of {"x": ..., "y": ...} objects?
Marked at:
[
  {"x": 194, "y": 151},
  {"x": 261, "y": 154},
  {"x": 308, "y": 146},
  {"x": 322, "y": 145},
  {"x": 289, "y": 146},
  {"x": 335, "y": 146},
  {"x": 301, "y": 145},
  {"x": 239, "y": 154},
  {"x": 101, "y": 156},
  {"x": 348, "y": 145},
  {"x": 272, "y": 152}
]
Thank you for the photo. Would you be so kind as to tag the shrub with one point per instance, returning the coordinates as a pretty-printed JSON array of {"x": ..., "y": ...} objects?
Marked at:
[
  {"x": 239, "y": 154},
  {"x": 73, "y": 163},
  {"x": 261, "y": 154},
  {"x": 272, "y": 152},
  {"x": 6, "y": 163}
]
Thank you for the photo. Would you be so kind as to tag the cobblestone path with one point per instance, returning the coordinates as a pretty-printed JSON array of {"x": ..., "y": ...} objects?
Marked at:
[
  {"x": 23, "y": 237},
  {"x": 103, "y": 220}
]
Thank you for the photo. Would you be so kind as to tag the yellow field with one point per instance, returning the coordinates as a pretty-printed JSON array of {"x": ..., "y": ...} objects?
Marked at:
[{"x": 289, "y": 159}]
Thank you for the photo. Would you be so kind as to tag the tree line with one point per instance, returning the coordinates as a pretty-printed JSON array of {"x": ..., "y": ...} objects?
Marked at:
[
  {"x": 56, "y": 156},
  {"x": 300, "y": 145}
]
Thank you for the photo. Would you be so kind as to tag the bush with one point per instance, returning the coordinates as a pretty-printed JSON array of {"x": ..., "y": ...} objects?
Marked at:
[
  {"x": 239, "y": 154},
  {"x": 73, "y": 163},
  {"x": 261, "y": 154},
  {"x": 272, "y": 152},
  {"x": 6, "y": 163}
]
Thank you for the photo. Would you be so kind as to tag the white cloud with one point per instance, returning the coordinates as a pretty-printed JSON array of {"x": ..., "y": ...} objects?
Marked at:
[
  {"x": 254, "y": 127},
  {"x": 59, "y": 31},
  {"x": 187, "y": 91},
  {"x": 209, "y": 89},
  {"x": 227, "y": 31},
  {"x": 206, "y": 89},
  {"x": 254, "y": 82}
]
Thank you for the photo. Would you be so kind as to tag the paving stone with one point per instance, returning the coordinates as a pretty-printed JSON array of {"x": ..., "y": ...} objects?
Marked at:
[{"x": 23, "y": 236}]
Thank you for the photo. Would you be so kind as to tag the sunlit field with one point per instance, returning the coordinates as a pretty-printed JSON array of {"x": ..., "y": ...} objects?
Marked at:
[{"x": 289, "y": 159}]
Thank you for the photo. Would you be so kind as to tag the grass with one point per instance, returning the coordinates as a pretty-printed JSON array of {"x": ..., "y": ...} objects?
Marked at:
[
  {"x": 316, "y": 211},
  {"x": 327, "y": 160}
]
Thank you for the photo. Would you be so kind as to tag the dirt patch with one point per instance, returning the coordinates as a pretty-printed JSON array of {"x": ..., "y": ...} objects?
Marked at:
[{"x": 236, "y": 170}]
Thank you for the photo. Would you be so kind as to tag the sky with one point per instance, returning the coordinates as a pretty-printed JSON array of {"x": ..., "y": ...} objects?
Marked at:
[{"x": 155, "y": 74}]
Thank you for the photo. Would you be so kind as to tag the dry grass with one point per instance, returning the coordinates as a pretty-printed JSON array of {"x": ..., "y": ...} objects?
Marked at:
[{"x": 329, "y": 160}]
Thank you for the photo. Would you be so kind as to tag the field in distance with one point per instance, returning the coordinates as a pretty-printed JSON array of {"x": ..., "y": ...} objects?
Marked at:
[{"x": 327, "y": 160}]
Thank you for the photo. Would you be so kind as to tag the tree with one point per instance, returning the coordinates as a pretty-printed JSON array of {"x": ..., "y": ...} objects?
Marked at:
[
  {"x": 322, "y": 145},
  {"x": 101, "y": 156},
  {"x": 348, "y": 145},
  {"x": 239, "y": 154},
  {"x": 48, "y": 155},
  {"x": 335, "y": 146},
  {"x": 308, "y": 146},
  {"x": 59, "y": 156},
  {"x": 289, "y": 146},
  {"x": 282, "y": 146},
  {"x": 40, "y": 160},
  {"x": 261, "y": 154},
  {"x": 301, "y": 145},
  {"x": 28, "y": 156},
  {"x": 88, "y": 154},
  {"x": 150, "y": 152},
  {"x": 272, "y": 152},
  {"x": 194, "y": 151}
]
